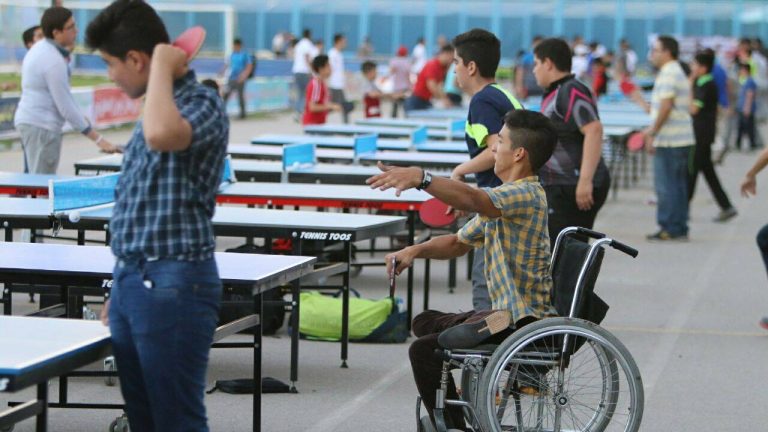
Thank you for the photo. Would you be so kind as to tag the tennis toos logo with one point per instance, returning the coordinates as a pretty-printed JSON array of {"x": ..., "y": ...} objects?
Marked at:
[{"x": 308, "y": 235}]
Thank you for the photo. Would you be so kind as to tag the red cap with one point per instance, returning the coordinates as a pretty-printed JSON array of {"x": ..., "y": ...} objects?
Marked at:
[{"x": 402, "y": 51}]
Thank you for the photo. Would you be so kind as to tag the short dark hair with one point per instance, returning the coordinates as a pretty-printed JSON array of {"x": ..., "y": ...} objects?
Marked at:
[
  {"x": 534, "y": 132},
  {"x": 367, "y": 66},
  {"x": 746, "y": 66},
  {"x": 668, "y": 43},
  {"x": 556, "y": 50},
  {"x": 446, "y": 48},
  {"x": 307, "y": 33},
  {"x": 479, "y": 46},
  {"x": 319, "y": 62},
  {"x": 126, "y": 25},
  {"x": 29, "y": 35},
  {"x": 705, "y": 58},
  {"x": 337, "y": 37},
  {"x": 237, "y": 41},
  {"x": 54, "y": 18},
  {"x": 211, "y": 84}
]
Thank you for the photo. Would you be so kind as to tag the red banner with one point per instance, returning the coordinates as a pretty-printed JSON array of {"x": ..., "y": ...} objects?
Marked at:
[{"x": 112, "y": 106}]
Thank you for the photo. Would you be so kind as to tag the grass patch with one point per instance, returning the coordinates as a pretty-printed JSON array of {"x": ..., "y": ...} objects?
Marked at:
[{"x": 76, "y": 81}]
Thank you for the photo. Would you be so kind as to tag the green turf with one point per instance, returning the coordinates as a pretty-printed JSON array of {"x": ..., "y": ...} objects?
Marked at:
[{"x": 77, "y": 80}]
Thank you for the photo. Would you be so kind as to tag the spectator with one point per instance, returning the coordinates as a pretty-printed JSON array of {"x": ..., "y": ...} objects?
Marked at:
[
  {"x": 746, "y": 106},
  {"x": 240, "y": 67},
  {"x": 670, "y": 138},
  {"x": 46, "y": 100},
  {"x": 278, "y": 44},
  {"x": 371, "y": 93},
  {"x": 575, "y": 178},
  {"x": 579, "y": 62},
  {"x": 429, "y": 84},
  {"x": 400, "y": 73},
  {"x": 337, "y": 81},
  {"x": 626, "y": 61},
  {"x": 318, "y": 104},
  {"x": 303, "y": 53},
  {"x": 319, "y": 47},
  {"x": 365, "y": 50},
  {"x": 525, "y": 81},
  {"x": 451, "y": 87},
  {"x": 419, "y": 55},
  {"x": 599, "y": 77},
  {"x": 704, "y": 111},
  {"x": 31, "y": 36}
]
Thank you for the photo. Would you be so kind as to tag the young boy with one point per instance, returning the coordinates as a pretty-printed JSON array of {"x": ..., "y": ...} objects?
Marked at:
[
  {"x": 704, "y": 112},
  {"x": 164, "y": 303},
  {"x": 476, "y": 58},
  {"x": 511, "y": 224},
  {"x": 745, "y": 107},
  {"x": 318, "y": 104},
  {"x": 371, "y": 93}
]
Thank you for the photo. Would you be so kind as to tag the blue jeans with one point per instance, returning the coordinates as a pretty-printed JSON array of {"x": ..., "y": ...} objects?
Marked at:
[
  {"x": 413, "y": 103},
  {"x": 301, "y": 80},
  {"x": 670, "y": 169},
  {"x": 162, "y": 317}
]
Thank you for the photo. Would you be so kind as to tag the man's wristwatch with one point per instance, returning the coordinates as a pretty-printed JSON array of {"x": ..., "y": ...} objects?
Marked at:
[{"x": 426, "y": 180}]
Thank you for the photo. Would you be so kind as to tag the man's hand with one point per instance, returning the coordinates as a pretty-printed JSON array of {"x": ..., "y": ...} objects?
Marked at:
[
  {"x": 404, "y": 259},
  {"x": 170, "y": 58},
  {"x": 584, "y": 199},
  {"x": 749, "y": 186},
  {"x": 105, "y": 314},
  {"x": 400, "y": 178},
  {"x": 107, "y": 147},
  {"x": 648, "y": 135}
]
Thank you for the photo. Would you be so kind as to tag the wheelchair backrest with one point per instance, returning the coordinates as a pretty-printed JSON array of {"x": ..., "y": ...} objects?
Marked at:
[{"x": 571, "y": 258}]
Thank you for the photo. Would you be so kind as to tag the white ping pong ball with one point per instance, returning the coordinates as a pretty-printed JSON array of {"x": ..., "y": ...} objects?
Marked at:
[{"x": 74, "y": 217}]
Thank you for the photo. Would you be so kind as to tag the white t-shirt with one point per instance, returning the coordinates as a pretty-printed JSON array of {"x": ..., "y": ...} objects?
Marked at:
[
  {"x": 336, "y": 59},
  {"x": 305, "y": 48},
  {"x": 419, "y": 58}
]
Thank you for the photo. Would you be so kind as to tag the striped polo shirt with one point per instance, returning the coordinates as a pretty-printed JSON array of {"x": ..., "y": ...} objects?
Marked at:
[{"x": 671, "y": 83}]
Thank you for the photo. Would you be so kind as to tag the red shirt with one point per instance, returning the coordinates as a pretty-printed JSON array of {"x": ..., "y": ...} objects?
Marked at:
[
  {"x": 433, "y": 70},
  {"x": 317, "y": 92}
]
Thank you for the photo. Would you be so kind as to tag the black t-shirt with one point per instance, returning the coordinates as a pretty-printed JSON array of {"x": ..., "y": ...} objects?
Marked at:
[
  {"x": 486, "y": 117},
  {"x": 705, "y": 96},
  {"x": 570, "y": 105}
]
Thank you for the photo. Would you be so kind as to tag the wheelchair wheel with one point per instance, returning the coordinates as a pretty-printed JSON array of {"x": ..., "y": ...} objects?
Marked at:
[{"x": 532, "y": 384}]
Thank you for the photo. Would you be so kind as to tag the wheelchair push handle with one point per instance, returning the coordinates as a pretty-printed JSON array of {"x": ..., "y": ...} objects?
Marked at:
[
  {"x": 589, "y": 233},
  {"x": 624, "y": 248}
]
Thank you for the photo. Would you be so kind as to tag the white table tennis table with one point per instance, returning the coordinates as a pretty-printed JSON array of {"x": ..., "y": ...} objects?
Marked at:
[
  {"x": 347, "y": 142},
  {"x": 92, "y": 266},
  {"x": 382, "y": 131}
]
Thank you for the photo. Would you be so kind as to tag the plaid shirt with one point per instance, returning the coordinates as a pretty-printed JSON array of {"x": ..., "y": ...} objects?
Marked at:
[
  {"x": 516, "y": 248},
  {"x": 164, "y": 201}
]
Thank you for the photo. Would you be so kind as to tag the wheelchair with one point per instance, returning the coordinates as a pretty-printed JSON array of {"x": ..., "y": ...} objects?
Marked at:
[{"x": 557, "y": 374}]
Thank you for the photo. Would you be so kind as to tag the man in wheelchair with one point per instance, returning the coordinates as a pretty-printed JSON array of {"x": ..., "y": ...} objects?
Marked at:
[{"x": 511, "y": 224}]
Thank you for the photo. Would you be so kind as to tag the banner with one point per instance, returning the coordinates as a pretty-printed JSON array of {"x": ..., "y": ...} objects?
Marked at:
[
  {"x": 7, "y": 110},
  {"x": 111, "y": 106},
  {"x": 263, "y": 95}
]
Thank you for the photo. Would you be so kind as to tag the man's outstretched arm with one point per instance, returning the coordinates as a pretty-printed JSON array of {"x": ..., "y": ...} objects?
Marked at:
[{"x": 442, "y": 247}]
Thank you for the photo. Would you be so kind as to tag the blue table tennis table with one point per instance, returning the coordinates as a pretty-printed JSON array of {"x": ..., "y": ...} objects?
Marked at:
[
  {"x": 438, "y": 113},
  {"x": 348, "y": 142},
  {"x": 382, "y": 131},
  {"x": 91, "y": 266},
  {"x": 446, "y": 124}
]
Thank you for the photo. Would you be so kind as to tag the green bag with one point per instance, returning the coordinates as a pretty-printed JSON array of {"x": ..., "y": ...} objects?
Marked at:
[{"x": 320, "y": 316}]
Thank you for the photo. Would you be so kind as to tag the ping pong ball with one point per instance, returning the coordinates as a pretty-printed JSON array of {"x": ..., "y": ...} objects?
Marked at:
[{"x": 74, "y": 217}]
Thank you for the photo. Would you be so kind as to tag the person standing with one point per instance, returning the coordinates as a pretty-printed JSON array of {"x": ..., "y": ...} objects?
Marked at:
[
  {"x": 318, "y": 103},
  {"x": 525, "y": 82},
  {"x": 419, "y": 55},
  {"x": 670, "y": 139},
  {"x": 400, "y": 73},
  {"x": 240, "y": 67},
  {"x": 749, "y": 188},
  {"x": 337, "y": 80},
  {"x": 164, "y": 303},
  {"x": 476, "y": 58},
  {"x": 746, "y": 106},
  {"x": 704, "y": 112},
  {"x": 575, "y": 178},
  {"x": 46, "y": 99},
  {"x": 303, "y": 53},
  {"x": 31, "y": 36}
]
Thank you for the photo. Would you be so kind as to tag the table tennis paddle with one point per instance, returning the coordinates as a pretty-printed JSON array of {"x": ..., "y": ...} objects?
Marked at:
[
  {"x": 434, "y": 213},
  {"x": 191, "y": 40},
  {"x": 627, "y": 87},
  {"x": 392, "y": 279},
  {"x": 636, "y": 142}
]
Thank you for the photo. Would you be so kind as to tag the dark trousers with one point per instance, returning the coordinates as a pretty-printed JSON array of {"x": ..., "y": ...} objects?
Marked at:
[
  {"x": 162, "y": 316},
  {"x": 670, "y": 177},
  {"x": 746, "y": 126},
  {"x": 239, "y": 87},
  {"x": 702, "y": 162},
  {"x": 337, "y": 96},
  {"x": 762, "y": 244},
  {"x": 396, "y": 102},
  {"x": 564, "y": 212},
  {"x": 427, "y": 367},
  {"x": 414, "y": 102}
]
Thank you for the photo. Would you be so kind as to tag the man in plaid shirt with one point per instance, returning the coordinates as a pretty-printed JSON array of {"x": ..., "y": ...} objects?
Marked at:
[
  {"x": 165, "y": 298},
  {"x": 511, "y": 224}
]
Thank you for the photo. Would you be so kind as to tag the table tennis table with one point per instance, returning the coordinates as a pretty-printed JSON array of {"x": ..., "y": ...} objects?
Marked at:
[
  {"x": 439, "y": 113},
  {"x": 347, "y": 142},
  {"x": 382, "y": 131},
  {"x": 91, "y": 266},
  {"x": 446, "y": 124}
]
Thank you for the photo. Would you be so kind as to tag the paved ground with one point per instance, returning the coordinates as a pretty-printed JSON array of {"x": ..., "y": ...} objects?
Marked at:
[{"x": 687, "y": 312}]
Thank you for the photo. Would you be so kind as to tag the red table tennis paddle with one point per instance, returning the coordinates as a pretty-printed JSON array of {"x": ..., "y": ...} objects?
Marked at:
[
  {"x": 636, "y": 142},
  {"x": 191, "y": 40},
  {"x": 627, "y": 87},
  {"x": 434, "y": 213}
]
